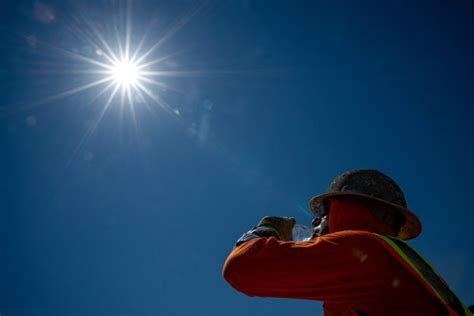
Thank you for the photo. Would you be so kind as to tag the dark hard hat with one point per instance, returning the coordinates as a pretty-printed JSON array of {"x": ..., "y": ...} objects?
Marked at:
[{"x": 374, "y": 185}]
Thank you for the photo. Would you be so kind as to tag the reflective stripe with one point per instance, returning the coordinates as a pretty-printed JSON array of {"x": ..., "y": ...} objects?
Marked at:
[{"x": 427, "y": 275}]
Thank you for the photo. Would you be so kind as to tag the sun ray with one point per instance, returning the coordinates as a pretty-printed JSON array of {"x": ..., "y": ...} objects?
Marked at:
[
  {"x": 160, "y": 85},
  {"x": 77, "y": 89},
  {"x": 104, "y": 90},
  {"x": 158, "y": 60},
  {"x": 88, "y": 133},
  {"x": 113, "y": 56},
  {"x": 84, "y": 34},
  {"x": 157, "y": 99},
  {"x": 143, "y": 99},
  {"x": 84, "y": 58},
  {"x": 63, "y": 94},
  {"x": 128, "y": 30},
  {"x": 132, "y": 108},
  {"x": 200, "y": 73},
  {"x": 122, "y": 105},
  {"x": 182, "y": 73},
  {"x": 139, "y": 46},
  {"x": 78, "y": 56},
  {"x": 173, "y": 29}
]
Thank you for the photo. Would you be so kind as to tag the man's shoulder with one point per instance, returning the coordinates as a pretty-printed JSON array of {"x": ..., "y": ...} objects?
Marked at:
[
  {"x": 355, "y": 239},
  {"x": 350, "y": 234}
]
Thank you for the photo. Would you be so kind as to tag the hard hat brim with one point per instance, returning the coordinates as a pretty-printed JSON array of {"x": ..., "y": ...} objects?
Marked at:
[{"x": 410, "y": 229}]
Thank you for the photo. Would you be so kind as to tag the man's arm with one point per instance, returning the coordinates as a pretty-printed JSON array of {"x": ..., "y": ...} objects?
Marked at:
[{"x": 337, "y": 268}]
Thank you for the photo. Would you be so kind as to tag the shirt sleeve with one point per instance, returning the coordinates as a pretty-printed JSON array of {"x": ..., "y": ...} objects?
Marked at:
[{"x": 337, "y": 268}]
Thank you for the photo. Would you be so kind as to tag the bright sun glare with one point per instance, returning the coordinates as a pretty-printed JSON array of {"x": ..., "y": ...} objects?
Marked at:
[
  {"x": 128, "y": 72},
  {"x": 125, "y": 73}
]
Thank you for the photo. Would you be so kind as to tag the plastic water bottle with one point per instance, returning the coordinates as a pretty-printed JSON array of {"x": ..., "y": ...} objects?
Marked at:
[{"x": 302, "y": 232}]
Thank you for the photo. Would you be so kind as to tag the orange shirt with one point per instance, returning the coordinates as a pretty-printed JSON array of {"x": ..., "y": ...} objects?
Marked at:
[{"x": 349, "y": 270}]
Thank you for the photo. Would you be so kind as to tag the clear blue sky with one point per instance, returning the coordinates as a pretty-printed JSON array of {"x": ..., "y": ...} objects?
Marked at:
[{"x": 277, "y": 98}]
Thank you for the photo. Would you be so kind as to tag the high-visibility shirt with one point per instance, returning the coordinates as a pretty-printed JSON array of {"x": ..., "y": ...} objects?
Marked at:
[
  {"x": 349, "y": 270},
  {"x": 352, "y": 271}
]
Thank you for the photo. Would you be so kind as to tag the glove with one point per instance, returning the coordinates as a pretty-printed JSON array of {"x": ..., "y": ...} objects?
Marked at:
[
  {"x": 282, "y": 225},
  {"x": 270, "y": 226}
]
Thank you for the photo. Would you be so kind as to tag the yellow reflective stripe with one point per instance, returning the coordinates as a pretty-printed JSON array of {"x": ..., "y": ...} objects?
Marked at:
[
  {"x": 407, "y": 260},
  {"x": 467, "y": 312}
]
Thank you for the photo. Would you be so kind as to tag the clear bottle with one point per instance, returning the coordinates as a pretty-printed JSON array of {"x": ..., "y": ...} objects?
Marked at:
[{"x": 302, "y": 233}]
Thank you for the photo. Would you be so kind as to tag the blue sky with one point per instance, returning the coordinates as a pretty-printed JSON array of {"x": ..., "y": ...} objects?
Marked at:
[{"x": 270, "y": 103}]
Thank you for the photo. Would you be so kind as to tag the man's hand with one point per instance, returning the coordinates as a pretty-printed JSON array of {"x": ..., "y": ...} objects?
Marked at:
[
  {"x": 282, "y": 225},
  {"x": 280, "y": 228}
]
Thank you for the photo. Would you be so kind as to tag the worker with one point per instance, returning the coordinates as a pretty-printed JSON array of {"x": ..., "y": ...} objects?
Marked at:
[{"x": 357, "y": 262}]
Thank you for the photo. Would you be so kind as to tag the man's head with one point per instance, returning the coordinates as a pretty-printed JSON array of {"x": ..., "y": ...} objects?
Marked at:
[{"x": 370, "y": 190}]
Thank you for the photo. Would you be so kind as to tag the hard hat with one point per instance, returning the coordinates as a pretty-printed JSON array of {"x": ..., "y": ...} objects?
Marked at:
[{"x": 374, "y": 185}]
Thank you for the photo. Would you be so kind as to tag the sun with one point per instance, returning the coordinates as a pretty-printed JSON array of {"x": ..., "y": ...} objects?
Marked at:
[{"x": 125, "y": 73}]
